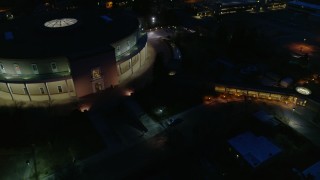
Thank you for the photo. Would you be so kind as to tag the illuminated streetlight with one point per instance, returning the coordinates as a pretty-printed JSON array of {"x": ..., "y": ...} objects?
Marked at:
[
  {"x": 85, "y": 107},
  {"x": 128, "y": 92},
  {"x": 172, "y": 73},
  {"x": 153, "y": 20},
  {"x": 303, "y": 90}
]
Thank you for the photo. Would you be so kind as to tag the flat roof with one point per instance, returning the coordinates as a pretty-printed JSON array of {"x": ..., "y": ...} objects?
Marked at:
[
  {"x": 313, "y": 171},
  {"x": 305, "y": 4},
  {"x": 254, "y": 149},
  {"x": 93, "y": 31},
  {"x": 238, "y": 3}
]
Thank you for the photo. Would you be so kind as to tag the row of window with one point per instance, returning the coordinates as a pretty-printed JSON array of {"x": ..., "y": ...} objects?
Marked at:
[
  {"x": 34, "y": 68},
  {"x": 118, "y": 48},
  {"x": 261, "y": 94},
  {"x": 25, "y": 90}
]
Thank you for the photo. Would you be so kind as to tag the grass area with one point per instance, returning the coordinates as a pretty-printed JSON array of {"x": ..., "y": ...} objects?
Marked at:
[
  {"x": 55, "y": 136},
  {"x": 76, "y": 140}
]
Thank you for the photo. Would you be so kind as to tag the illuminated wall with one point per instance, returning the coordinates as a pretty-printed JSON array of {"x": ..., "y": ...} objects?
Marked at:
[
  {"x": 35, "y": 79},
  {"x": 125, "y": 44},
  {"x": 33, "y": 68},
  {"x": 82, "y": 73},
  {"x": 63, "y": 78},
  {"x": 128, "y": 67},
  {"x": 44, "y": 91}
]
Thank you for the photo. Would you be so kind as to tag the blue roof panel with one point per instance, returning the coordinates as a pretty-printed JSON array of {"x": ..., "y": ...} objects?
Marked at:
[
  {"x": 8, "y": 36},
  {"x": 107, "y": 19},
  {"x": 255, "y": 150}
]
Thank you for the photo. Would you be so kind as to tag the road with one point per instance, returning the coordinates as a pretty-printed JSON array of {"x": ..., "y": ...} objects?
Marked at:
[{"x": 299, "y": 119}]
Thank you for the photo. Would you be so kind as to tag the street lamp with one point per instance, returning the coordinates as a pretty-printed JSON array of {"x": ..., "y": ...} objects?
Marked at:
[{"x": 153, "y": 19}]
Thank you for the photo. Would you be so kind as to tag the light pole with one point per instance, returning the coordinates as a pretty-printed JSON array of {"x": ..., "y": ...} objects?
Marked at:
[
  {"x": 153, "y": 21},
  {"x": 34, "y": 161}
]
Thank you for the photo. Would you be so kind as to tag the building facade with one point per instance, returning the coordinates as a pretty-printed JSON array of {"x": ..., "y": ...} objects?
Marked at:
[{"x": 68, "y": 55}]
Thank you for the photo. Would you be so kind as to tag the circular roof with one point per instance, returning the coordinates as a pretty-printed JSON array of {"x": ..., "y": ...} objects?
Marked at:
[
  {"x": 71, "y": 33},
  {"x": 59, "y": 23},
  {"x": 303, "y": 90}
]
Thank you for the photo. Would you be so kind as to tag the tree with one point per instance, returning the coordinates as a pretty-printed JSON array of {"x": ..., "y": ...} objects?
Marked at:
[
  {"x": 158, "y": 67},
  {"x": 142, "y": 7},
  {"x": 222, "y": 37}
]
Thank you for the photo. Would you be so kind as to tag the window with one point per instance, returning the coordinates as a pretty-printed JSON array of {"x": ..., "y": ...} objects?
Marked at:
[
  {"x": 128, "y": 44},
  {"x": 35, "y": 68},
  {"x": 59, "y": 23},
  {"x": 96, "y": 73},
  {"x": 17, "y": 68},
  {"x": 54, "y": 67},
  {"x": 41, "y": 90},
  {"x": 25, "y": 90},
  {"x": 118, "y": 50},
  {"x": 98, "y": 87},
  {"x": 59, "y": 89},
  {"x": 2, "y": 68}
]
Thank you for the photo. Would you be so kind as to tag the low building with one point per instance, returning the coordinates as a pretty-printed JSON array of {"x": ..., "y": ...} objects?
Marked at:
[
  {"x": 255, "y": 150},
  {"x": 264, "y": 92}
]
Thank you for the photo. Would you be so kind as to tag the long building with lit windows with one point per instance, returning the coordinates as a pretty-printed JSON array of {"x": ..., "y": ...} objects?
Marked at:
[
  {"x": 66, "y": 55},
  {"x": 299, "y": 96}
]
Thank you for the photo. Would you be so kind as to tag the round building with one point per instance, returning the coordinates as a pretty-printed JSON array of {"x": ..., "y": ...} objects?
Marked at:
[{"x": 65, "y": 55}]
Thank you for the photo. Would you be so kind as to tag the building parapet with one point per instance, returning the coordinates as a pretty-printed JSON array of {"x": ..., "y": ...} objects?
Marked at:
[
  {"x": 33, "y": 77},
  {"x": 142, "y": 40}
]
